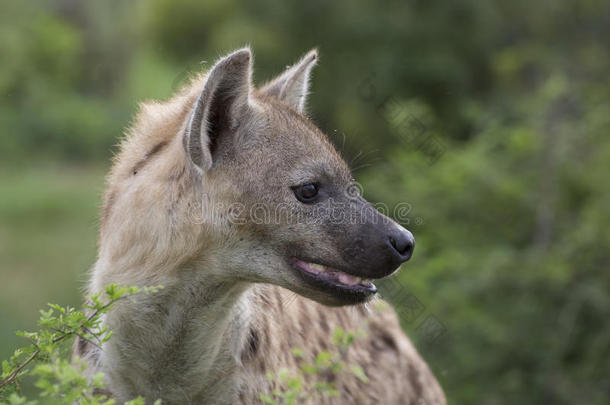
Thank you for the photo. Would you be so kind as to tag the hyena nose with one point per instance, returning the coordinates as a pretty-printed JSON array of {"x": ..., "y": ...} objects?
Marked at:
[{"x": 402, "y": 242}]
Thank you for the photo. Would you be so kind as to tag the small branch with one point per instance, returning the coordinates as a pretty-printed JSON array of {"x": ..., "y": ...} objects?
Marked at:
[
  {"x": 14, "y": 374},
  {"x": 11, "y": 378},
  {"x": 99, "y": 342},
  {"x": 103, "y": 308},
  {"x": 89, "y": 341}
]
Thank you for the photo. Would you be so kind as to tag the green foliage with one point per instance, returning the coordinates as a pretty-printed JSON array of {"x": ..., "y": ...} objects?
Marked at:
[
  {"x": 45, "y": 358},
  {"x": 512, "y": 251},
  {"x": 315, "y": 375}
]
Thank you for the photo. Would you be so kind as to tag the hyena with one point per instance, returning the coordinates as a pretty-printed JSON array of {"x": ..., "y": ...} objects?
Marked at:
[{"x": 236, "y": 203}]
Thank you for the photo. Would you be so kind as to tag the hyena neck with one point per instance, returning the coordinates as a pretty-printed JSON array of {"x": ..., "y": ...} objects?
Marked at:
[{"x": 181, "y": 344}]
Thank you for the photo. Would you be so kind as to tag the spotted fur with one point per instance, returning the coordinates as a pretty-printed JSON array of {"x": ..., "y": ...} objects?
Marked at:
[{"x": 231, "y": 309}]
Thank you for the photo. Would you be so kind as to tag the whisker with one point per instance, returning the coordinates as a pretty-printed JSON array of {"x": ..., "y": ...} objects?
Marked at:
[{"x": 355, "y": 158}]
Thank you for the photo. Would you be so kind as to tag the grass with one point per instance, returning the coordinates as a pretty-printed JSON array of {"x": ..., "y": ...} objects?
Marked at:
[{"x": 48, "y": 231}]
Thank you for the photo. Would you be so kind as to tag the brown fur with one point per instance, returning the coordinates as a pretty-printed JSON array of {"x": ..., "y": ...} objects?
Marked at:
[
  {"x": 397, "y": 375},
  {"x": 226, "y": 316}
]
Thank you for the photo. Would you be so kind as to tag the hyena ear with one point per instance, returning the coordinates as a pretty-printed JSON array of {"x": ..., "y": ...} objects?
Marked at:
[
  {"x": 292, "y": 86},
  {"x": 220, "y": 107}
]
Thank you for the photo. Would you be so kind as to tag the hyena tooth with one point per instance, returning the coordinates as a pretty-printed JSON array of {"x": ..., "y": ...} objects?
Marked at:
[
  {"x": 348, "y": 279},
  {"x": 317, "y": 267}
]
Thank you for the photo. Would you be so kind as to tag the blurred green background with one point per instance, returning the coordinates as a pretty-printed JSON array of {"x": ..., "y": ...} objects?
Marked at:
[{"x": 487, "y": 123}]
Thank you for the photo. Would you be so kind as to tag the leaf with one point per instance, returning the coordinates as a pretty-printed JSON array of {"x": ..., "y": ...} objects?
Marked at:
[
  {"x": 136, "y": 401},
  {"x": 267, "y": 399},
  {"x": 338, "y": 336},
  {"x": 295, "y": 384},
  {"x": 298, "y": 352},
  {"x": 359, "y": 372},
  {"x": 323, "y": 359},
  {"x": 308, "y": 368}
]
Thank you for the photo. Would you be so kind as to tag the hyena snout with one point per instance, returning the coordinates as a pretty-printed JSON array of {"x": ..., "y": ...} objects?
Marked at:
[
  {"x": 387, "y": 248},
  {"x": 402, "y": 242},
  {"x": 376, "y": 247}
]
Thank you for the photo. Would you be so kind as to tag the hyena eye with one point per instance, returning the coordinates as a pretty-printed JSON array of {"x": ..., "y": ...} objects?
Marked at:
[{"x": 306, "y": 193}]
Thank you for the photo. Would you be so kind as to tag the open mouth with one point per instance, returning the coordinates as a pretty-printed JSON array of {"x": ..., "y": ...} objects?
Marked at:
[{"x": 330, "y": 278}]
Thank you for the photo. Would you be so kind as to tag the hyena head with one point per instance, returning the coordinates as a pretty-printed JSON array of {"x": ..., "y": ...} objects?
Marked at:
[
  {"x": 234, "y": 183},
  {"x": 289, "y": 210}
]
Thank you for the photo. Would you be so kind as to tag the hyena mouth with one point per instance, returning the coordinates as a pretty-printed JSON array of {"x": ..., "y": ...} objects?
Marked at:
[{"x": 329, "y": 277}]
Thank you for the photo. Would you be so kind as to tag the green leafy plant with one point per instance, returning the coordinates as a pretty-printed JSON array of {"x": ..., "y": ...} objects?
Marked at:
[
  {"x": 46, "y": 358},
  {"x": 317, "y": 375}
]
